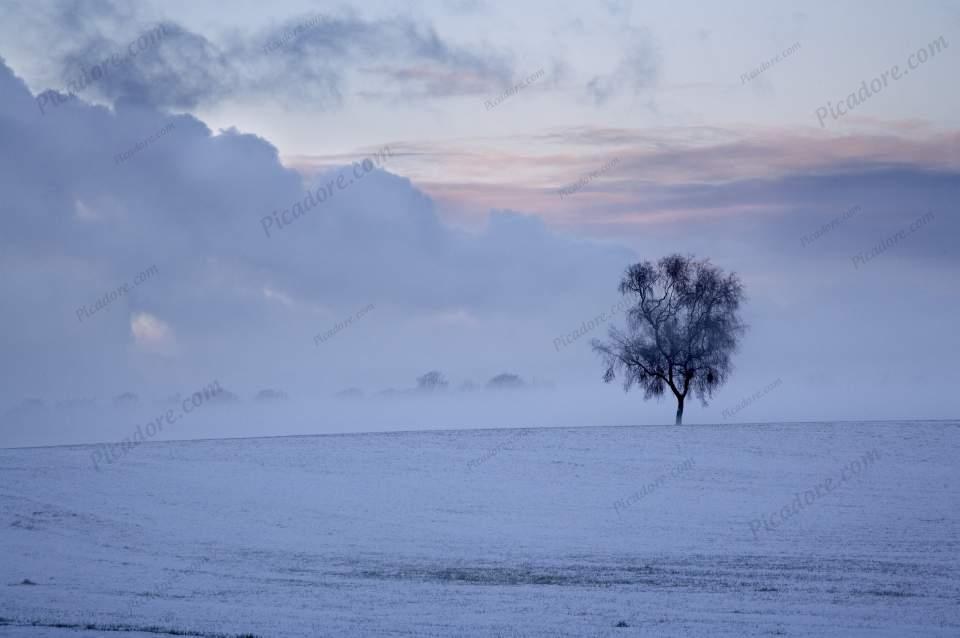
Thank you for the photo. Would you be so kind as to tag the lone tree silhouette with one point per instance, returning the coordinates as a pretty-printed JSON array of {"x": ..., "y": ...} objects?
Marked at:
[{"x": 681, "y": 331}]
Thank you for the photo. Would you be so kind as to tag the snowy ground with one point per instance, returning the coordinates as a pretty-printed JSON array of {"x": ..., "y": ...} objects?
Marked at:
[{"x": 563, "y": 532}]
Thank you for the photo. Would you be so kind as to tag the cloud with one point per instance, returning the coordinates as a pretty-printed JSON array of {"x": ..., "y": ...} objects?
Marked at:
[
  {"x": 319, "y": 58},
  {"x": 464, "y": 7},
  {"x": 152, "y": 335},
  {"x": 637, "y": 69},
  {"x": 76, "y": 225},
  {"x": 670, "y": 177}
]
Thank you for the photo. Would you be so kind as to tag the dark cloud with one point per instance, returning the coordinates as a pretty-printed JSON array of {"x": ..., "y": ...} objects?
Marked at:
[{"x": 319, "y": 58}]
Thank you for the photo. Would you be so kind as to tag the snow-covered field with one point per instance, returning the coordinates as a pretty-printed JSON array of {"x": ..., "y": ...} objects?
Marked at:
[{"x": 672, "y": 531}]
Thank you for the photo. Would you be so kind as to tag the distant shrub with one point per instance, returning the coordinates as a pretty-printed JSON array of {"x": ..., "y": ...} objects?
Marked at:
[
  {"x": 127, "y": 398},
  {"x": 505, "y": 381},
  {"x": 224, "y": 396},
  {"x": 431, "y": 382},
  {"x": 271, "y": 395}
]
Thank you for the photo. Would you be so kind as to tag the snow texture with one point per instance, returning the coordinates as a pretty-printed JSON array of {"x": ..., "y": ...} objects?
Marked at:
[{"x": 407, "y": 534}]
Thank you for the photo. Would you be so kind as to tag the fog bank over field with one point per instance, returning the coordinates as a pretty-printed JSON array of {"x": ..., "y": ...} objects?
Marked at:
[{"x": 353, "y": 410}]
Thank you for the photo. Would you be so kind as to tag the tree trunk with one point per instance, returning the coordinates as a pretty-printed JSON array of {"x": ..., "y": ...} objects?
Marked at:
[{"x": 679, "y": 411}]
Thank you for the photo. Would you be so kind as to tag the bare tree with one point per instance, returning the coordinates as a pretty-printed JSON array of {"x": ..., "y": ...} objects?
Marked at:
[{"x": 681, "y": 331}]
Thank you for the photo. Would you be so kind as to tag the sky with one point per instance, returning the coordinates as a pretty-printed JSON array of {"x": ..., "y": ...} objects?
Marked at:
[{"x": 144, "y": 148}]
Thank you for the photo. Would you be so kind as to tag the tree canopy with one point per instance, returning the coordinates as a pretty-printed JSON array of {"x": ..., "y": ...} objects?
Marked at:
[{"x": 683, "y": 327}]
